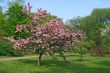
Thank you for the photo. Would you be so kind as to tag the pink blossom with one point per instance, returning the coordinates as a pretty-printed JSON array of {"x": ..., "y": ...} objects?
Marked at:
[{"x": 51, "y": 35}]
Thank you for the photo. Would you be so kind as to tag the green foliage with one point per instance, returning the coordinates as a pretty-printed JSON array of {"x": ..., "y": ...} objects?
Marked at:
[
  {"x": 6, "y": 49},
  {"x": 5, "y": 46},
  {"x": 102, "y": 15},
  {"x": 106, "y": 43},
  {"x": 14, "y": 17},
  {"x": 76, "y": 22},
  {"x": 92, "y": 24},
  {"x": 82, "y": 47},
  {"x": 91, "y": 27},
  {"x": 2, "y": 22},
  {"x": 106, "y": 38}
]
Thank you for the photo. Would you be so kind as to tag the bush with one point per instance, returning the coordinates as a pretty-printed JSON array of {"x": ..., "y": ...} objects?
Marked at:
[{"x": 6, "y": 49}]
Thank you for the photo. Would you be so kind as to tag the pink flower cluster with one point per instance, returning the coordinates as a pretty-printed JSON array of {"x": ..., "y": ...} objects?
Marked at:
[
  {"x": 34, "y": 16},
  {"x": 52, "y": 35},
  {"x": 22, "y": 43}
]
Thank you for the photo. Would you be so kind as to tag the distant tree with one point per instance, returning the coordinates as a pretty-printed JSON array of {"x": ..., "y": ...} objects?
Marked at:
[
  {"x": 92, "y": 24},
  {"x": 75, "y": 22},
  {"x": 82, "y": 47},
  {"x": 102, "y": 16},
  {"x": 106, "y": 37}
]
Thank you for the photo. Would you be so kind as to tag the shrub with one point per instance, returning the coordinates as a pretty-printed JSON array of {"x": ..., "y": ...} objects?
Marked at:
[{"x": 6, "y": 49}]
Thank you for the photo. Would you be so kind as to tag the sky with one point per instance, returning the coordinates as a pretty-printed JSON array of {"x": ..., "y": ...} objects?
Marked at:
[{"x": 65, "y": 9}]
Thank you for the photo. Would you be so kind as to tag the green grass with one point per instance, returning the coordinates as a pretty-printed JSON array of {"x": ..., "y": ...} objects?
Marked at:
[{"x": 89, "y": 65}]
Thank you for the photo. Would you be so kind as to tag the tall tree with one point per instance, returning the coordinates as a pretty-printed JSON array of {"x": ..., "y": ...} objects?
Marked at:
[
  {"x": 2, "y": 20},
  {"x": 92, "y": 24},
  {"x": 14, "y": 17}
]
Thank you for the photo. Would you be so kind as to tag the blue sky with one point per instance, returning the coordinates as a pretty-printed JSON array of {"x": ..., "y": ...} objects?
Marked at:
[{"x": 66, "y": 9}]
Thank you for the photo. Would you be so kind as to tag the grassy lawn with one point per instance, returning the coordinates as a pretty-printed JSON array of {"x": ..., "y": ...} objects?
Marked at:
[{"x": 89, "y": 65}]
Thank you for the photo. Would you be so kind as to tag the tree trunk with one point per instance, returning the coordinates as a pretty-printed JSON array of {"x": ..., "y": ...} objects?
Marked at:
[
  {"x": 39, "y": 59},
  {"x": 64, "y": 58},
  {"x": 53, "y": 55}
]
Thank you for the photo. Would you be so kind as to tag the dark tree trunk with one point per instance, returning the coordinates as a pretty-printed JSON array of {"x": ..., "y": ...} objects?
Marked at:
[
  {"x": 64, "y": 57},
  {"x": 53, "y": 55},
  {"x": 39, "y": 59}
]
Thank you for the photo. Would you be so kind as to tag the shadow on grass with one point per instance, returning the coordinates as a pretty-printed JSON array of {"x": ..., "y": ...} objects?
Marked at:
[
  {"x": 61, "y": 67},
  {"x": 69, "y": 55},
  {"x": 29, "y": 61},
  {"x": 104, "y": 63},
  {"x": 88, "y": 70},
  {"x": 3, "y": 71}
]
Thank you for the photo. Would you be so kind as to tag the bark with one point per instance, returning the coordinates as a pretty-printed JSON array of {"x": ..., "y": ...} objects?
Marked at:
[
  {"x": 39, "y": 59},
  {"x": 53, "y": 55},
  {"x": 64, "y": 57}
]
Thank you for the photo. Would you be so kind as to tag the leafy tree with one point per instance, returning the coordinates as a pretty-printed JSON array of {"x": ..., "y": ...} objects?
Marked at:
[
  {"x": 75, "y": 23},
  {"x": 106, "y": 38},
  {"x": 2, "y": 21},
  {"x": 82, "y": 47},
  {"x": 102, "y": 15},
  {"x": 92, "y": 24},
  {"x": 14, "y": 17},
  {"x": 6, "y": 48}
]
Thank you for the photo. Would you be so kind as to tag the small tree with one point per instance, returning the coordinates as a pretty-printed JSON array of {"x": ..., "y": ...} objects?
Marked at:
[
  {"x": 48, "y": 38},
  {"x": 82, "y": 47}
]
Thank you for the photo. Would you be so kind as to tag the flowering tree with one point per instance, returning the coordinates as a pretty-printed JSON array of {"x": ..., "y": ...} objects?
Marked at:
[{"x": 46, "y": 39}]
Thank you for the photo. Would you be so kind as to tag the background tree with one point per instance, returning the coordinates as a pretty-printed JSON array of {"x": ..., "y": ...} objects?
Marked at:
[
  {"x": 14, "y": 17},
  {"x": 92, "y": 24},
  {"x": 106, "y": 38},
  {"x": 2, "y": 21},
  {"x": 75, "y": 23},
  {"x": 82, "y": 47}
]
